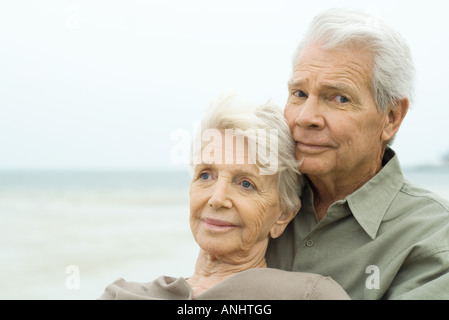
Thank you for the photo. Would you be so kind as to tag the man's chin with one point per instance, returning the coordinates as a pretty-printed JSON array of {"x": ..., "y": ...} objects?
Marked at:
[{"x": 311, "y": 166}]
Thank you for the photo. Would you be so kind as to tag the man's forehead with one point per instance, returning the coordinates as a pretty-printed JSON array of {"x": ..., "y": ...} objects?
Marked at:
[
  {"x": 331, "y": 74},
  {"x": 352, "y": 60}
]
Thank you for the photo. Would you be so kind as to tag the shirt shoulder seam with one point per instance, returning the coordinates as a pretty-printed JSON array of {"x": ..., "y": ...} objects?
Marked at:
[
  {"x": 433, "y": 199},
  {"x": 432, "y": 252}
]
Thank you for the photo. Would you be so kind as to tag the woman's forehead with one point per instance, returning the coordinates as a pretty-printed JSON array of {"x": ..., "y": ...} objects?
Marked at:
[
  {"x": 234, "y": 147},
  {"x": 221, "y": 148}
]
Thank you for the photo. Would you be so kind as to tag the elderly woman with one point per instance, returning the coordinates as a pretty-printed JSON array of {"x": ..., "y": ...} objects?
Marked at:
[{"x": 245, "y": 190}]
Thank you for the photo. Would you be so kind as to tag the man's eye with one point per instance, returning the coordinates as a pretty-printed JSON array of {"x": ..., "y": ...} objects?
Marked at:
[
  {"x": 341, "y": 99},
  {"x": 299, "y": 94}
]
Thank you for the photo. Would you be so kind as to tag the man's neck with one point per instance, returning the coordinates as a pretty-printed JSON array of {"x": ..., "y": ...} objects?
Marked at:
[{"x": 329, "y": 189}]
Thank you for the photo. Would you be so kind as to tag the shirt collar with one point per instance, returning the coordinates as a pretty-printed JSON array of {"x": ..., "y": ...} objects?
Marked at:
[{"x": 369, "y": 203}]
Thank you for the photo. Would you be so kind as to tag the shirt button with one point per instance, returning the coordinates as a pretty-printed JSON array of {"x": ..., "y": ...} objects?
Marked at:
[{"x": 309, "y": 243}]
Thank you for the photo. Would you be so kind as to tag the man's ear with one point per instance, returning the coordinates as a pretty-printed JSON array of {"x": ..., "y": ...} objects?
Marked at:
[
  {"x": 394, "y": 119},
  {"x": 281, "y": 223}
]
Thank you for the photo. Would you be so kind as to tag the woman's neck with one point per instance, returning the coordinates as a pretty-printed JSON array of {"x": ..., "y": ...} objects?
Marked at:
[{"x": 211, "y": 270}]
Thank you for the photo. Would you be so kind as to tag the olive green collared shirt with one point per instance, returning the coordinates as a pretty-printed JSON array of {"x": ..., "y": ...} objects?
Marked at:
[{"x": 387, "y": 240}]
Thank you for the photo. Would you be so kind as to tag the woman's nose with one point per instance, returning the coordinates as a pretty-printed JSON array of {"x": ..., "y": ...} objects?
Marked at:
[{"x": 220, "y": 197}]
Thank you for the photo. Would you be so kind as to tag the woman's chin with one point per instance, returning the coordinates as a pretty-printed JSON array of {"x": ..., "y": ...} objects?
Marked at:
[{"x": 217, "y": 247}]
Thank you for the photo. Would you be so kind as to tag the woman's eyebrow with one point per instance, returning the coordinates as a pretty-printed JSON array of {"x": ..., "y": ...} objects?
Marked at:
[
  {"x": 253, "y": 173},
  {"x": 246, "y": 173},
  {"x": 202, "y": 166},
  {"x": 292, "y": 83}
]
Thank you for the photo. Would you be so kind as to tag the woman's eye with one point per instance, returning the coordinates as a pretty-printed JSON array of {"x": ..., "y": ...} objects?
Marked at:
[
  {"x": 247, "y": 185},
  {"x": 299, "y": 94},
  {"x": 204, "y": 176},
  {"x": 341, "y": 99}
]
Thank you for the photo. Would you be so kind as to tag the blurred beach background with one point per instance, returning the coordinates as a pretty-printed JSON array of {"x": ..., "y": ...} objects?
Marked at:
[
  {"x": 132, "y": 225},
  {"x": 98, "y": 100},
  {"x": 107, "y": 225}
]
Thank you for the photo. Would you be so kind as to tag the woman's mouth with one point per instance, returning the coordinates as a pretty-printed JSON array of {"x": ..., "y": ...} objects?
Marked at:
[{"x": 216, "y": 225}]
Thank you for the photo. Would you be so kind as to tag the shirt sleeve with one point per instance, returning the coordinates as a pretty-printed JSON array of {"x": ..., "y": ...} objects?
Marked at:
[
  {"x": 423, "y": 279},
  {"x": 326, "y": 288}
]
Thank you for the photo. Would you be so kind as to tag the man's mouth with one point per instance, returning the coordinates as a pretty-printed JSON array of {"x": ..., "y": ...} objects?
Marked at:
[{"x": 310, "y": 147}]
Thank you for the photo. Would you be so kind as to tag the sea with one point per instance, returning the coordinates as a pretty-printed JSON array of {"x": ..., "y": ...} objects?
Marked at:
[{"x": 66, "y": 235}]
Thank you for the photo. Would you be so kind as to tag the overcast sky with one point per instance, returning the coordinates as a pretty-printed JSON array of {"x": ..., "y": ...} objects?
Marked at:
[{"x": 102, "y": 84}]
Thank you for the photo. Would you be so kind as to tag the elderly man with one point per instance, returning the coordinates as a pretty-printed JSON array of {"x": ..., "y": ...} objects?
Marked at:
[{"x": 362, "y": 223}]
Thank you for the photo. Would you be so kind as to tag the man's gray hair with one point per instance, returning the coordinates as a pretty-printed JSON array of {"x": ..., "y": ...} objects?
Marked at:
[
  {"x": 393, "y": 70},
  {"x": 229, "y": 112}
]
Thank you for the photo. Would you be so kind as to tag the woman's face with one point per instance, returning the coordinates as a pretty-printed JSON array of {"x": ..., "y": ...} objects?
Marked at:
[{"x": 233, "y": 209}]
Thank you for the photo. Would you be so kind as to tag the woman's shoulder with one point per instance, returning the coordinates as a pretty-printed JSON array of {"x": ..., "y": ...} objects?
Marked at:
[
  {"x": 275, "y": 284},
  {"x": 163, "y": 287},
  {"x": 252, "y": 284}
]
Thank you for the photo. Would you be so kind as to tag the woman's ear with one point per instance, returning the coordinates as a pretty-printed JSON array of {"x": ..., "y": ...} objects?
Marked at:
[{"x": 281, "y": 223}]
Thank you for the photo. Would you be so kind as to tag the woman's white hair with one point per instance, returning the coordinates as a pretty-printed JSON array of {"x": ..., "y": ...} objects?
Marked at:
[
  {"x": 393, "y": 69},
  {"x": 246, "y": 118}
]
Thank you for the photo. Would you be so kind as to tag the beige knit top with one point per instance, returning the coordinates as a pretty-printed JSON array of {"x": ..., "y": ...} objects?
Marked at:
[{"x": 252, "y": 284}]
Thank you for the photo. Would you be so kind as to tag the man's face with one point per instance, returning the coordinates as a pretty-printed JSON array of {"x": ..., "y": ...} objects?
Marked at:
[{"x": 332, "y": 114}]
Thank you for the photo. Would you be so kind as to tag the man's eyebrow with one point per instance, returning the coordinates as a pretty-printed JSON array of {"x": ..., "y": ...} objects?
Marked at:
[
  {"x": 343, "y": 89},
  {"x": 331, "y": 86},
  {"x": 337, "y": 86}
]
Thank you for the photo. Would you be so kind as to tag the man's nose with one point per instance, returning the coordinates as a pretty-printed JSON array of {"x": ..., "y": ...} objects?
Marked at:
[
  {"x": 310, "y": 114},
  {"x": 220, "y": 197}
]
